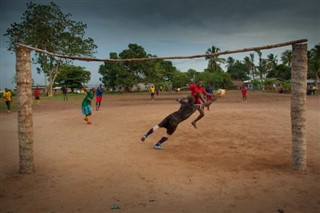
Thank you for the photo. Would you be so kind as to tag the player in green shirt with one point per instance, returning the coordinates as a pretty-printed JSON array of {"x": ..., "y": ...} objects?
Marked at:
[{"x": 86, "y": 104}]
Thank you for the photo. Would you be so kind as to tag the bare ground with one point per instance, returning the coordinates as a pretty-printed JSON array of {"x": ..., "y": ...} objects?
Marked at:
[{"x": 238, "y": 160}]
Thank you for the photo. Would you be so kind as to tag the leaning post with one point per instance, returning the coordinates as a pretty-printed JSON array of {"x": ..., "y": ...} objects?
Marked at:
[
  {"x": 24, "y": 108},
  {"x": 298, "y": 106}
]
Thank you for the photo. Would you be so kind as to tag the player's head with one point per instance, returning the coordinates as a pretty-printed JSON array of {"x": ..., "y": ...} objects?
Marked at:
[
  {"x": 190, "y": 99},
  {"x": 199, "y": 83}
]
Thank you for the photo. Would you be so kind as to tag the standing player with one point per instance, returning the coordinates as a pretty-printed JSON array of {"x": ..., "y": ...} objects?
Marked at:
[
  {"x": 209, "y": 95},
  {"x": 152, "y": 91},
  {"x": 86, "y": 104},
  {"x": 99, "y": 93},
  {"x": 8, "y": 97},
  {"x": 244, "y": 91},
  {"x": 37, "y": 95},
  {"x": 171, "y": 122}
]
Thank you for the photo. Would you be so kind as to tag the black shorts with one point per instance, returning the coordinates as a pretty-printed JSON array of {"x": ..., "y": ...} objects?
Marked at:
[{"x": 170, "y": 123}]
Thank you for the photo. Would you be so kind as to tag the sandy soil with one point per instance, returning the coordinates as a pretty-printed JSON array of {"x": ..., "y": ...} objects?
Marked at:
[{"x": 238, "y": 160}]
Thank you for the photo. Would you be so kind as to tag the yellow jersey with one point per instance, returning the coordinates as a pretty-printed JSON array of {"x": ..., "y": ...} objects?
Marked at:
[{"x": 7, "y": 96}]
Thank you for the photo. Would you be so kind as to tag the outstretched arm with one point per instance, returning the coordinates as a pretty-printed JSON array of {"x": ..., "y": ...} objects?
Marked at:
[
  {"x": 84, "y": 88},
  {"x": 181, "y": 99},
  {"x": 182, "y": 88}
]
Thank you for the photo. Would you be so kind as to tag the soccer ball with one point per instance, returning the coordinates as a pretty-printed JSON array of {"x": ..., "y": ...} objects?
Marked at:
[
  {"x": 178, "y": 90},
  {"x": 221, "y": 92}
]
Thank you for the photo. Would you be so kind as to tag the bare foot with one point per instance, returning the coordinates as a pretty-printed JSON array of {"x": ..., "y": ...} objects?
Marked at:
[{"x": 194, "y": 124}]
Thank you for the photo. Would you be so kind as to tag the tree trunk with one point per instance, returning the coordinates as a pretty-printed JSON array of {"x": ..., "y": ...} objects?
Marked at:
[
  {"x": 50, "y": 91},
  {"x": 24, "y": 107},
  {"x": 298, "y": 105}
]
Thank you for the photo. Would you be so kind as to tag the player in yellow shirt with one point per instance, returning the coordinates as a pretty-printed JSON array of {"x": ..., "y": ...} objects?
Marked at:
[
  {"x": 8, "y": 97},
  {"x": 152, "y": 91}
]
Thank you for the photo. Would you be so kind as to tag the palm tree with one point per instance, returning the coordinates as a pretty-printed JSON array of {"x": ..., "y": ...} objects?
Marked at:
[
  {"x": 214, "y": 61},
  {"x": 272, "y": 61},
  {"x": 262, "y": 64},
  {"x": 230, "y": 62},
  {"x": 249, "y": 62},
  {"x": 314, "y": 62},
  {"x": 286, "y": 57}
]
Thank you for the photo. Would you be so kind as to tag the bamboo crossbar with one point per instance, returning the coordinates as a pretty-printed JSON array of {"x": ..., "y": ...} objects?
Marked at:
[{"x": 170, "y": 57}]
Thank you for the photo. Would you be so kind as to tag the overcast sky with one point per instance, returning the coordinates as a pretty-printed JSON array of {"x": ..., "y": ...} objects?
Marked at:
[{"x": 176, "y": 28}]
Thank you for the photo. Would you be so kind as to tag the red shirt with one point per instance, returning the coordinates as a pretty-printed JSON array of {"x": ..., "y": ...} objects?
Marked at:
[
  {"x": 194, "y": 90},
  {"x": 36, "y": 93},
  {"x": 244, "y": 90}
]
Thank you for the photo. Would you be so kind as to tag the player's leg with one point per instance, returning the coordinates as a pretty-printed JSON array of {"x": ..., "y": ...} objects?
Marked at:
[
  {"x": 194, "y": 123},
  {"x": 97, "y": 103},
  {"x": 161, "y": 141},
  {"x": 88, "y": 118},
  {"x": 171, "y": 128},
  {"x": 8, "y": 105},
  {"x": 152, "y": 130}
]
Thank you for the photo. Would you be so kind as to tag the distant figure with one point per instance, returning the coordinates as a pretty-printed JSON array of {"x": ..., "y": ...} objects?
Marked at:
[
  {"x": 86, "y": 104},
  {"x": 171, "y": 122},
  {"x": 8, "y": 97},
  {"x": 152, "y": 91},
  {"x": 244, "y": 91},
  {"x": 99, "y": 93},
  {"x": 209, "y": 94},
  {"x": 65, "y": 93},
  {"x": 37, "y": 95},
  {"x": 161, "y": 88},
  {"x": 314, "y": 89}
]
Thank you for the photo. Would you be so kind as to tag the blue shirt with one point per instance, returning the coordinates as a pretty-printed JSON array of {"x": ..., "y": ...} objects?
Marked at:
[
  {"x": 100, "y": 91},
  {"x": 209, "y": 89}
]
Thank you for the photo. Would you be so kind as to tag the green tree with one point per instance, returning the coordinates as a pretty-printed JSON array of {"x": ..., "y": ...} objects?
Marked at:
[
  {"x": 238, "y": 71},
  {"x": 180, "y": 79},
  {"x": 135, "y": 70},
  {"x": 281, "y": 71},
  {"x": 230, "y": 62},
  {"x": 192, "y": 74},
  {"x": 113, "y": 74},
  {"x": 262, "y": 66},
  {"x": 127, "y": 74},
  {"x": 286, "y": 57},
  {"x": 272, "y": 62},
  {"x": 46, "y": 27},
  {"x": 249, "y": 62},
  {"x": 214, "y": 61},
  {"x": 216, "y": 79},
  {"x": 314, "y": 62},
  {"x": 167, "y": 70},
  {"x": 73, "y": 76}
]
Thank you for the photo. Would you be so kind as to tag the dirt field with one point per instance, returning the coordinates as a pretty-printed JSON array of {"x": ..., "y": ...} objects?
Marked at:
[{"x": 238, "y": 160}]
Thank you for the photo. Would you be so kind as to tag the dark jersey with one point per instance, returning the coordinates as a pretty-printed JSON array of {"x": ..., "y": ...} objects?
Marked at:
[{"x": 184, "y": 112}]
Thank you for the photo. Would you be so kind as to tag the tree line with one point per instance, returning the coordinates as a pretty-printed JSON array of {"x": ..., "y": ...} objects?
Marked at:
[{"x": 47, "y": 27}]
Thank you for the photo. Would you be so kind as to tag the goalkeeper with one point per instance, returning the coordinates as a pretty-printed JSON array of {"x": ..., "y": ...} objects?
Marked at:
[{"x": 171, "y": 122}]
